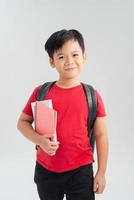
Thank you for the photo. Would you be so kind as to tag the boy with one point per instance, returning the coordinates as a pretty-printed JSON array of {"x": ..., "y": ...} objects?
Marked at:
[{"x": 65, "y": 167}]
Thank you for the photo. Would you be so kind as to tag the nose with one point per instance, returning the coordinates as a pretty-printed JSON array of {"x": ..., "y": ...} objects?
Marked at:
[{"x": 69, "y": 61}]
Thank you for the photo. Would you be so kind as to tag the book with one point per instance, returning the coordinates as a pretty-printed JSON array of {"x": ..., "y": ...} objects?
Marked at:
[{"x": 45, "y": 118}]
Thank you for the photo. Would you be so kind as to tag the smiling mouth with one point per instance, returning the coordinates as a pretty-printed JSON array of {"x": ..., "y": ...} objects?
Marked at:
[{"x": 70, "y": 68}]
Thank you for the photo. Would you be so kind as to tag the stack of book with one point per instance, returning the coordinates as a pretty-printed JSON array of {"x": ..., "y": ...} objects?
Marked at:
[{"x": 45, "y": 118}]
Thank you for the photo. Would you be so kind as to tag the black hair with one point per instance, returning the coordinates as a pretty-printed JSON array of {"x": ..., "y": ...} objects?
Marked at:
[{"x": 58, "y": 38}]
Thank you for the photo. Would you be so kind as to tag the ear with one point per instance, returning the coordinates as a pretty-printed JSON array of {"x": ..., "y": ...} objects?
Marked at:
[
  {"x": 84, "y": 56},
  {"x": 51, "y": 62}
]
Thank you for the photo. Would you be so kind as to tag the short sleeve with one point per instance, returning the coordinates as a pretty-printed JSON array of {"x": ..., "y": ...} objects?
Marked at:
[
  {"x": 28, "y": 109},
  {"x": 100, "y": 106}
]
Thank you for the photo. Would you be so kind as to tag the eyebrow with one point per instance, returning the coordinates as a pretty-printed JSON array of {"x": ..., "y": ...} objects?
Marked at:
[{"x": 63, "y": 53}]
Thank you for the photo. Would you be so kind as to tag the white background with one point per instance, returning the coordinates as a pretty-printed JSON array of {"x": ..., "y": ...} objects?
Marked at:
[{"x": 108, "y": 29}]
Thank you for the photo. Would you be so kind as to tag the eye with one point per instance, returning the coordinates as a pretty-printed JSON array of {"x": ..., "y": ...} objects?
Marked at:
[
  {"x": 74, "y": 55},
  {"x": 61, "y": 57}
]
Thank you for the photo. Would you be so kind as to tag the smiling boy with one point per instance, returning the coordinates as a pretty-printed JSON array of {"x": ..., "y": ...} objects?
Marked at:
[{"x": 65, "y": 167}]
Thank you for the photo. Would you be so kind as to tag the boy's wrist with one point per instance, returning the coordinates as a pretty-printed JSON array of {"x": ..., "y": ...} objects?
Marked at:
[
  {"x": 38, "y": 138},
  {"x": 101, "y": 172}
]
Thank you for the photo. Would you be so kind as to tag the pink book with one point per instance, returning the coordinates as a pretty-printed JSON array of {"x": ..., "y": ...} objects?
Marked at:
[{"x": 45, "y": 119}]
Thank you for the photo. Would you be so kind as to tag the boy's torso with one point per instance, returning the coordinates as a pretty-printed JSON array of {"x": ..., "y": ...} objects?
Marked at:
[{"x": 72, "y": 132}]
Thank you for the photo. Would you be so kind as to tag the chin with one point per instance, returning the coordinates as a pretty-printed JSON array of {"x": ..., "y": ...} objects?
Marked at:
[{"x": 73, "y": 75}]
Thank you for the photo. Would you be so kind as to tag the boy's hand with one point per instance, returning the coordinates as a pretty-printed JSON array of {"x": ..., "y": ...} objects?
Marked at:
[
  {"x": 48, "y": 145},
  {"x": 99, "y": 183}
]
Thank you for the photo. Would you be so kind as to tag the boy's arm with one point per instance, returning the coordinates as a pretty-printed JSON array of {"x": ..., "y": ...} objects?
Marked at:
[
  {"x": 24, "y": 125},
  {"x": 101, "y": 137}
]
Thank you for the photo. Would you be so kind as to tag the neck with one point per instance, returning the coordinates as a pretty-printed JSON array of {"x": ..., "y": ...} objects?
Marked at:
[{"x": 66, "y": 83}]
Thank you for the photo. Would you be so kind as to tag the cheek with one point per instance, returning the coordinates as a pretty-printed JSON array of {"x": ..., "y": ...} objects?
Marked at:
[{"x": 80, "y": 62}]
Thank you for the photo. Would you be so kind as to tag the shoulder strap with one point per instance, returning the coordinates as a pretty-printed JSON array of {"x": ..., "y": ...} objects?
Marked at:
[
  {"x": 92, "y": 110},
  {"x": 43, "y": 90}
]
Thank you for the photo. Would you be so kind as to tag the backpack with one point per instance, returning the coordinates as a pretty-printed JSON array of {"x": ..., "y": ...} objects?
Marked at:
[{"x": 91, "y": 100}]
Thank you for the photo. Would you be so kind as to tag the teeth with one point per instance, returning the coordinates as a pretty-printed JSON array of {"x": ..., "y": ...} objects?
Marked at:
[{"x": 70, "y": 68}]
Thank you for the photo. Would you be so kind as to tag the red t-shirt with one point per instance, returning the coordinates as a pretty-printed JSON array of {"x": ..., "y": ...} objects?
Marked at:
[{"x": 72, "y": 132}]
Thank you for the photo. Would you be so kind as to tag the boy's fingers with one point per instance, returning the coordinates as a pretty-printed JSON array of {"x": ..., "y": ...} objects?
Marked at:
[
  {"x": 95, "y": 186},
  {"x": 48, "y": 135},
  {"x": 54, "y": 143},
  {"x": 52, "y": 148}
]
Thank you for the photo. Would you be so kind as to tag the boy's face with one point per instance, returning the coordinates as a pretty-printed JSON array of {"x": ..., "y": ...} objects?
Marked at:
[{"x": 68, "y": 60}]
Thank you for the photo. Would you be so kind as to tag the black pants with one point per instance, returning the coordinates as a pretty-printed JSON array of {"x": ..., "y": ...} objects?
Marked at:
[{"x": 76, "y": 184}]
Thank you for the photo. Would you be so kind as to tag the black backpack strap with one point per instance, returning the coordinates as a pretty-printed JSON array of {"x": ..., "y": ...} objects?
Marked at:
[
  {"x": 43, "y": 90},
  {"x": 92, "y": 110}
]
